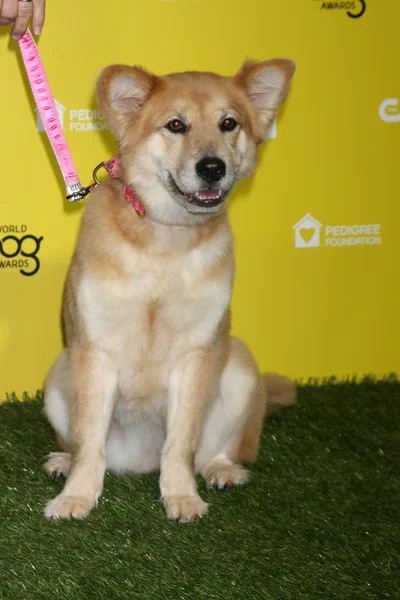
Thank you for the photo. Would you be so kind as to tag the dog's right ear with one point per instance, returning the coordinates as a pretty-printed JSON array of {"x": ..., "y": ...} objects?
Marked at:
[{"x": 121, "y": 92}]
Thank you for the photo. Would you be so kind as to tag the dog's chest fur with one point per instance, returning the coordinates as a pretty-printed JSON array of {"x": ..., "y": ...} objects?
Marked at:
[{"x": 168, "y": 305}]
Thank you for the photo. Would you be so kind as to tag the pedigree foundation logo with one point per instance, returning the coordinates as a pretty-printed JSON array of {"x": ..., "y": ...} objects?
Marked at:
[
  {"x": 353, "y": 8},
  {"x": 75, "y": 119},
  {"x": 389, "y": 110},
  {"x": 310, "y": 233},
  {"x": 19, "y": 250}
]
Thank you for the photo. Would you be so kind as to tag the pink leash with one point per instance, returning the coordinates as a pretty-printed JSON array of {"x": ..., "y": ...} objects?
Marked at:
[{"x": 45, "y": 104}]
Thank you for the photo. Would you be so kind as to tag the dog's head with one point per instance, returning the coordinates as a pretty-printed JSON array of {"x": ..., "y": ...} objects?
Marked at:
[{"x": 187, "y": 138}]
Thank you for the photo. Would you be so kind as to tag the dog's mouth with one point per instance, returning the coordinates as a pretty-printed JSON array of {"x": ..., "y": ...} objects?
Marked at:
[{"x": 203, "y": 199}]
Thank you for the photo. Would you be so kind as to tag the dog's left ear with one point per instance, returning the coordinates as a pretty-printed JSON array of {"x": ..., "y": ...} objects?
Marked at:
[{"x": 267, "y": 85}]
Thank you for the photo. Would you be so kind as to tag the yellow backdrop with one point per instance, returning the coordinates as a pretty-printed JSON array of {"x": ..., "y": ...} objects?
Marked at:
[{"x": 317, "y": 229}]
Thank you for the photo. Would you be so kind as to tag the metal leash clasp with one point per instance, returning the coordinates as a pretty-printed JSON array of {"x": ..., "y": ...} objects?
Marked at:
[
  {"x": 77, "y": 192},
  {"x": 96, "y": 170}
]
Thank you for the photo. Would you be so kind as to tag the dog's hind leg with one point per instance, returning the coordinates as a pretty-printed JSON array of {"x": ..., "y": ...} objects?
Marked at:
[
  {"x": 234, "y": 424},
  {"x": 58, "y": 390},
  {"x": 58, "y": 464},
  {"x": 241, "y": 399}
]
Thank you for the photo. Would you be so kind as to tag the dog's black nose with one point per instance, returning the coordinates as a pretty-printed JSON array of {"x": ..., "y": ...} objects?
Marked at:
[{"x": 211, "y": 169}]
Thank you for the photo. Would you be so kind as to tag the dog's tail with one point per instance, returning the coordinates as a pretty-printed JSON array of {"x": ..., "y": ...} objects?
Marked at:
[{"x": 280, "y": 391}]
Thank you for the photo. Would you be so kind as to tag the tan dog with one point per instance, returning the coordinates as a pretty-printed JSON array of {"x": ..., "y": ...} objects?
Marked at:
[{"x": 150, "y": 377}]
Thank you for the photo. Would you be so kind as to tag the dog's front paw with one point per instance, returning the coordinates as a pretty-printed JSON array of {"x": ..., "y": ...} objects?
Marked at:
[
  {"x": 185, "y": 509},
  {"x": 69, "y": 507}
]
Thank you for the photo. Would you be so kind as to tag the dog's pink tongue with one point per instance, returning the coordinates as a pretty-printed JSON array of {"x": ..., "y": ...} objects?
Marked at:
[{"x": 210, "y": 194}]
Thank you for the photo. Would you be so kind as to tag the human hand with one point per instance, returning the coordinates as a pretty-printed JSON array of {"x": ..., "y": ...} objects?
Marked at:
[{"x": 18, "y": 14}]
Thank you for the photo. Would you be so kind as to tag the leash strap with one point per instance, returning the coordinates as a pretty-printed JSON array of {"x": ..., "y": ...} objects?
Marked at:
[
  {"x": 45, "y": 104},
  {"x": 48, "y": 113}
]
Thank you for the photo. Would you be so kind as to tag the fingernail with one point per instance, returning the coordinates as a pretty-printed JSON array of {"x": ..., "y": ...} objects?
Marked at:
[
  {"x": 37, "y": 30},
  {"x": 16, "y": 37}
]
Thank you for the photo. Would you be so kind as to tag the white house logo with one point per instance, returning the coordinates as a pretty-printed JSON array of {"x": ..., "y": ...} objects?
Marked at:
[
  {"x": 389, "y": 110},
  {"x": 75, "y": 119},
  {"x": 310, "y": 233},
  {"x": 307, "y": 232},
  {"x": 354, "y": 8}
]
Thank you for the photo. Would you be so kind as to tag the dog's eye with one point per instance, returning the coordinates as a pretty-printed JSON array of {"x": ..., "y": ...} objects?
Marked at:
[
  {"x": 228, "y": 124},
  {"x": 176, "y": 126}
]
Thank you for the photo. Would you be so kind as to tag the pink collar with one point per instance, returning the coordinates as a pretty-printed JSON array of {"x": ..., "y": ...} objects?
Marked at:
[{"x": 112, "y": 167}]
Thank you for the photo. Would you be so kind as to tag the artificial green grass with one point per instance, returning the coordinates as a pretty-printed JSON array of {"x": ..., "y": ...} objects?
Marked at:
[{"x": 319, "y": 519}]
